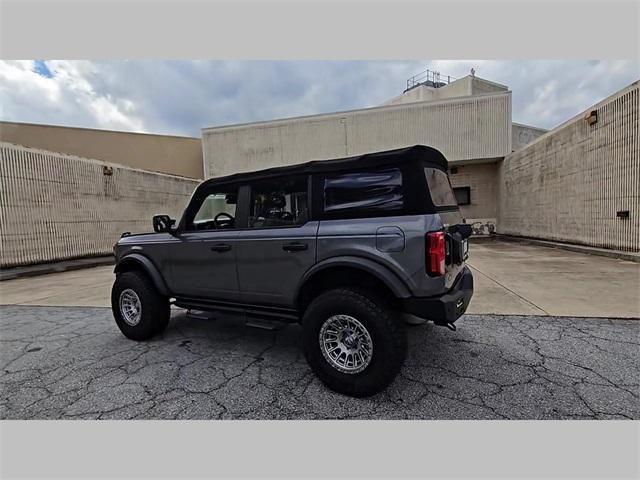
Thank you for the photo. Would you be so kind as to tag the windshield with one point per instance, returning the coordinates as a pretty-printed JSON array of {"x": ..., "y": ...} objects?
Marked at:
[{"x": 440, "y": 188}]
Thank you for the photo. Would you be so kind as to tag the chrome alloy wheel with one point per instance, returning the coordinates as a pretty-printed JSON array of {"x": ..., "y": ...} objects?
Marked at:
[
  {"x": 346, "y": 344},
  {"x": 130, "y": 307}
]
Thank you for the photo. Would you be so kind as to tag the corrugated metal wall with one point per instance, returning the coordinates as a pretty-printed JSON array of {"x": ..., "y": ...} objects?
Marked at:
[
  {"x": 462, "y": 128},
  {"x": 570, "y": 183},
  {"x": 55, "y": 206}
]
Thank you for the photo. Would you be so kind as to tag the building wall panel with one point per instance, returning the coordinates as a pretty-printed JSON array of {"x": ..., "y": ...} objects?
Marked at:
[
  {"x": 55, "y": 206},
  {"x": 482, "y": 182},
  {"x": 569, "y": 184},
  {"x": 161, "y": 153},
  {"x": 524, "y": 134},
  {"x": 462, "y": 128}
]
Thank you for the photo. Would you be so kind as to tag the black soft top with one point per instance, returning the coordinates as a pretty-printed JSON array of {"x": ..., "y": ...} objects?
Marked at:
[{"x": 416, "y": 153}]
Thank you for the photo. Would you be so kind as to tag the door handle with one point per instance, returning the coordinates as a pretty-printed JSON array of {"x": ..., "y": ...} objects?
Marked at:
[
  {"x": 221, "y": 247},
  {"x": 295, "y": 247}
]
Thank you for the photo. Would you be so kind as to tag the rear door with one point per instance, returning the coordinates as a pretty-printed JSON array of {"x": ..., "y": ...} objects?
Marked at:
[{"x": 278, "y": 244}]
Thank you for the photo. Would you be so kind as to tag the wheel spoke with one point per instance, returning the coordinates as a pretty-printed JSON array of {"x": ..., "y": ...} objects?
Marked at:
[
  {"x": 346, "y": 344},
  {"x": 130, "y": 307}
]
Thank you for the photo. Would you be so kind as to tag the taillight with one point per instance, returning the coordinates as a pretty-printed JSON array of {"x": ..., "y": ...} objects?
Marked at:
[{"x": 435, "y": 254}]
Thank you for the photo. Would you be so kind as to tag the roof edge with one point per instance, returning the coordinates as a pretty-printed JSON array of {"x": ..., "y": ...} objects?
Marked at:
[
  {"x": 275, "y": 121},
  {"x": 369, "y": 159},
  {"x": 90, "y": 129}
]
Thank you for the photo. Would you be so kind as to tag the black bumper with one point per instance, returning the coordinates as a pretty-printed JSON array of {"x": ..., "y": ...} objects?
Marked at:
[{"x": 447, "y": 308}]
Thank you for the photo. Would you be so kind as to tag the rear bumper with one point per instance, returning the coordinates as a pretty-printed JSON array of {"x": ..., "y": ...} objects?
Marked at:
[{"x": 447, "y": 308}]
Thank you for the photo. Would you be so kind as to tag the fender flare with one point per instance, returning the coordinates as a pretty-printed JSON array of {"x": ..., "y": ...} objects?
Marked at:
[
  {"x": 147, "y": 266},
  {"x": 397, "y": 286}
]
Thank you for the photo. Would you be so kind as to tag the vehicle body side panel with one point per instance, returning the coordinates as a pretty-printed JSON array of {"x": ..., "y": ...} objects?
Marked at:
[
  {"x": 357, "y": 238},
  {"x": 271, "y": 262}
]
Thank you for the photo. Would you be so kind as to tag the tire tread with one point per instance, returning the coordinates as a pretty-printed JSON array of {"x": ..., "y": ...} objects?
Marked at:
[
  {"x": 362, "y": 300},
  {"x": 155, "y": 307}
]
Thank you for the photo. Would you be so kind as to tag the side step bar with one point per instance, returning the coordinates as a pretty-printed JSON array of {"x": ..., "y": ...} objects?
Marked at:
[{"x": 288, "y": 314}]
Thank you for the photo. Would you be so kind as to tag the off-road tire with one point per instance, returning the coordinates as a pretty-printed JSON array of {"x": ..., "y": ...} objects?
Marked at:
[
  {"x": 155, "y": 307},
  {"x": 387, "y": 333}
]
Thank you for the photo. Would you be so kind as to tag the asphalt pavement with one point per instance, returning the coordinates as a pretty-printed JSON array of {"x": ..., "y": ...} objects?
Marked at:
[{"x": 72, "y": 362}]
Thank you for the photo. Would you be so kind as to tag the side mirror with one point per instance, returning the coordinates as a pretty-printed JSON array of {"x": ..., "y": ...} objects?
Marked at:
[{"x": 163, "y": 223}]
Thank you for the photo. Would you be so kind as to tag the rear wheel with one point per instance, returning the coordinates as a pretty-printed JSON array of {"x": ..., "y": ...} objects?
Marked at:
[
  {"x": 353, "y": 342},
  {"x": 139, "y": 309}
]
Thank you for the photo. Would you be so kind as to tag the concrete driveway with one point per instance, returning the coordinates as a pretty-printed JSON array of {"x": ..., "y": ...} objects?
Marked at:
[
  {"x": 72, "y": 362},
  {"x": 517, "y": 278},
  {"x": 510, "y": 279}
]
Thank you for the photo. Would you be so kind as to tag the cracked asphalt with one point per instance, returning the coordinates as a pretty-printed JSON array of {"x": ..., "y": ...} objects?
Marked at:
[{"x": 72, "y": 362}]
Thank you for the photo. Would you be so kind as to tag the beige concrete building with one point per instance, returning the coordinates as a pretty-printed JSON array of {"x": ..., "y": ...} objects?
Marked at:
[
  {"x": 158, "y": 153},
  {"x": 522, "y": 135},
  {"x": 476, "y": 190},
  {"x": 57, "y": 207},
  {"x": 580, "y": 182}
]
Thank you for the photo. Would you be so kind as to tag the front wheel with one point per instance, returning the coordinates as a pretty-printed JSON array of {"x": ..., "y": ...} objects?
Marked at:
[
  {"x": 139, "y": 309},
  {"x": 353, "y": 342}
]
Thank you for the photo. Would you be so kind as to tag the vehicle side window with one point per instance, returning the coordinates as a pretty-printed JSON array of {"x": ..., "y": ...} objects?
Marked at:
[
  {"x": 440, "y": 188},
  {"x": 279, "y": 202},
  {"x": 217, "y": 211},
  {"x": 364, "y": 192}
]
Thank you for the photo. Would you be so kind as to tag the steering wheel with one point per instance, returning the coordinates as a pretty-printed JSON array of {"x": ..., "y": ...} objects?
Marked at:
[{"x": 228, "y": 221}]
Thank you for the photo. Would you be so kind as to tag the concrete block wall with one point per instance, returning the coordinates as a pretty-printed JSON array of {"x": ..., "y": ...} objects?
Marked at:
[
  {"x": 482, "y": 181},
  {"x": 570, "y": 184},
  {"x": 523, "y": 135},
  {"x": 56, "y": 207},
  {"x": 462, "y": 128}
]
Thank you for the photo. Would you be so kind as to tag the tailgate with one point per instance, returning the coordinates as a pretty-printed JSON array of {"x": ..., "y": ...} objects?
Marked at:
[{"x": 457, "y": 245}]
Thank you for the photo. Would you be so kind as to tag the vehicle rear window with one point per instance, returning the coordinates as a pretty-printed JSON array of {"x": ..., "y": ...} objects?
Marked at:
[
  {"x": 440, "y": 188},
  {"x": 367, "y": 192}
]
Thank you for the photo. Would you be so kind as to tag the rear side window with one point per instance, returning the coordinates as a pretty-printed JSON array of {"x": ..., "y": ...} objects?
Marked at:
[
  {"x": 440, "y": 188},
  {"x": 364, "y": 192}
]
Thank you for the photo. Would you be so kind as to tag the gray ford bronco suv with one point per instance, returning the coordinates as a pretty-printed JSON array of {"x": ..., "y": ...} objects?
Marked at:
[{"x": 345, "y": 247}]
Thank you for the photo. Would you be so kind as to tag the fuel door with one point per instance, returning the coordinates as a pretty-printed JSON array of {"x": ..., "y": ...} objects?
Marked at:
[{"x": 389, "y": 239}]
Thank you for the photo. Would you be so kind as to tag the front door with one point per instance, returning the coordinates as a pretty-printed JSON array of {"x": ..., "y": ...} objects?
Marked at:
[
  {"x": 279, "y": 244},
  {"x": 203, "y": 262}
]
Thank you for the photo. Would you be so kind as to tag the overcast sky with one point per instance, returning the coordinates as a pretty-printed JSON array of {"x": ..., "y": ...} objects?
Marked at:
[{"x": 181, "y": 97}]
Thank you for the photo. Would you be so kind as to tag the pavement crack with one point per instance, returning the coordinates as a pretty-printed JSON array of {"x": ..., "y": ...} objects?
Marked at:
[{"x": 494, "y": 367}]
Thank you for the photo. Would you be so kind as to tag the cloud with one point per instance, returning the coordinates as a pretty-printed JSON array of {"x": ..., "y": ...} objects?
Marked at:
[
  {"x": 60, "y": 92},
  {"x": 181, "y": 97}
]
